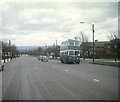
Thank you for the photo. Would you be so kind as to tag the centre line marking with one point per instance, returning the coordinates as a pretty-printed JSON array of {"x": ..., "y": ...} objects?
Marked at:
[{"x": 96, "y": 80}]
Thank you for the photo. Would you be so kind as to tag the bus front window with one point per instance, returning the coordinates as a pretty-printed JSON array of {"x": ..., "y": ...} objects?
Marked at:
[
  {"x": 77, "y": 53},
  {"x": 71, "y": 53},
  {"x": 76, "y": 44}
]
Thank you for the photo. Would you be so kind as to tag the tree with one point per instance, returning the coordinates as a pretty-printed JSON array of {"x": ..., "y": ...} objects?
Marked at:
[
  {"x": 40, "y": 50},
  {"x": 53, "y": 49},
  {"x": 9, "y": 51},
  {"x": 115, "y": 43},
  {"x": 83, "y": 39},
  {"x": 113, "y": 35},
  {"x": 14, "y": 51},
  {"x": 34, "y": 52}
]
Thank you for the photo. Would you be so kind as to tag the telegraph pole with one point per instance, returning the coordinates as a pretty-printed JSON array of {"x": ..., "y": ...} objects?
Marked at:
[
  {"x": 93, "y": 41},
  {"x": 56, "y": 42}
]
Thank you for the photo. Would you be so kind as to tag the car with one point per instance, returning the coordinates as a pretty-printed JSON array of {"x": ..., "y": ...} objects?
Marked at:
[
  {"x": 39, "y": 57},
  {"x": 44, "y": 59},
  {"x": 1, "y": 66}
]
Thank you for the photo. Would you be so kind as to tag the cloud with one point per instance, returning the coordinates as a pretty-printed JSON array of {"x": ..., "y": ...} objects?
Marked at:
[
  {"x": 56, "y": 20},
  {"x": 109, "y": 24}
]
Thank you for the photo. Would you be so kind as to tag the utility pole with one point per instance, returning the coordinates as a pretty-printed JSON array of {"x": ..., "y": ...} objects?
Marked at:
[
  {"x": 9, "y": 43},
  {"x": 115, "y": 53},
  {"x": 93, "y": 41},
  {"x": 56, "y": 42}
]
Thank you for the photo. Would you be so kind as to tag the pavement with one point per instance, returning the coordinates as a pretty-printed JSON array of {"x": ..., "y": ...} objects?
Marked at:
[{"x": 27, "y": 78}]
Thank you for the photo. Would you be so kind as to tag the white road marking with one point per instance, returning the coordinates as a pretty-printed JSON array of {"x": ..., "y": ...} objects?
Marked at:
[
  {"x": 67, "y": 70},
  {"x": 96, "y": 80}
]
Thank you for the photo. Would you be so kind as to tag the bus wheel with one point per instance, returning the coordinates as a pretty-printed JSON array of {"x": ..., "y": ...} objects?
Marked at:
[
  {"x": 78, "y": 62},
  {"x": 66, "y": 61}
]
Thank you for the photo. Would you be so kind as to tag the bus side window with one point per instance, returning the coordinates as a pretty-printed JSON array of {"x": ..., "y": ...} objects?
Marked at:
[
  {"x": 71, "y": 43},
  {"x": 62, "y": 53},
  {"x": 76, "y": 44},
  {"x": 67, "y": 52}
]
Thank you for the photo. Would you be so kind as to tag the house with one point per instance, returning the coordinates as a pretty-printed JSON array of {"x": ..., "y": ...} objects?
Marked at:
[{"x": 101, "y": 49}]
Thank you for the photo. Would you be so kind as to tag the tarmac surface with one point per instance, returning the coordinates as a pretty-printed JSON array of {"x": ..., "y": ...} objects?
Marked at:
[{"x": 27, "y": 78}]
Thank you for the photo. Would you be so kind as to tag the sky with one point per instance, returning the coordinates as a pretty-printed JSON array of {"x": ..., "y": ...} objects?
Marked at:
[{"x": 28, "y": 23}]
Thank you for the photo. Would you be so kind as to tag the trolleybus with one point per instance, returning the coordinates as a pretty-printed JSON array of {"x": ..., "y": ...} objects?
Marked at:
[{"x": 70, "y": 51}]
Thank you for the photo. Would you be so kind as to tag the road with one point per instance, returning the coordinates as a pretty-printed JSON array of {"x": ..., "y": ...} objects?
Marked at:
[
  {"x": 27, "y": 78},
  {"x": 0, "y": 86}
]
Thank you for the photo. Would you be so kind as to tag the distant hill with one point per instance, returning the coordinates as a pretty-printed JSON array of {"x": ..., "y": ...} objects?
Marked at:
[{"x": 25, "y": 48}]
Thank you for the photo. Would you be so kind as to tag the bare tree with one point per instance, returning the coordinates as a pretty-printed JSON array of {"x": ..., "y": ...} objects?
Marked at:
[
  {"x": 114, "y": 38},
  {"x": 113, "y": 35},
  {"x": 83, "y": 39}
]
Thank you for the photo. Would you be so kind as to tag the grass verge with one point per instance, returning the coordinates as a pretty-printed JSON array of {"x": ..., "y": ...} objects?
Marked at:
[{"x": 116, "y": 64}]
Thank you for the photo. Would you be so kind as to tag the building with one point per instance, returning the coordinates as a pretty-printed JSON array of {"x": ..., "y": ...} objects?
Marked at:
[
  {"x": 102, "y": 49},
  {"x": 0, "y": 50}
]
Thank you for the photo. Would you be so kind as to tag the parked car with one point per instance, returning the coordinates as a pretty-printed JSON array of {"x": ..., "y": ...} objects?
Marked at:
[
  {"x": 39, "y": 57},
  {"x": 44, "y": 59},
  {"x": 1, "y": 66}
]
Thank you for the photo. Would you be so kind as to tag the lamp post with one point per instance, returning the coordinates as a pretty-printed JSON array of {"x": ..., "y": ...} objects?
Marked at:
[
  {"x": 93, "y": 30},
  {"x": 115, "y": 52},
  {"x": 93, "y": 41}
]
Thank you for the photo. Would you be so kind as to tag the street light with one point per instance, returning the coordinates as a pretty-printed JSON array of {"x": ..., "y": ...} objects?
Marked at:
[
  {"x": 115, "y": 52},
  {"x": 93, "y": 30}
]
